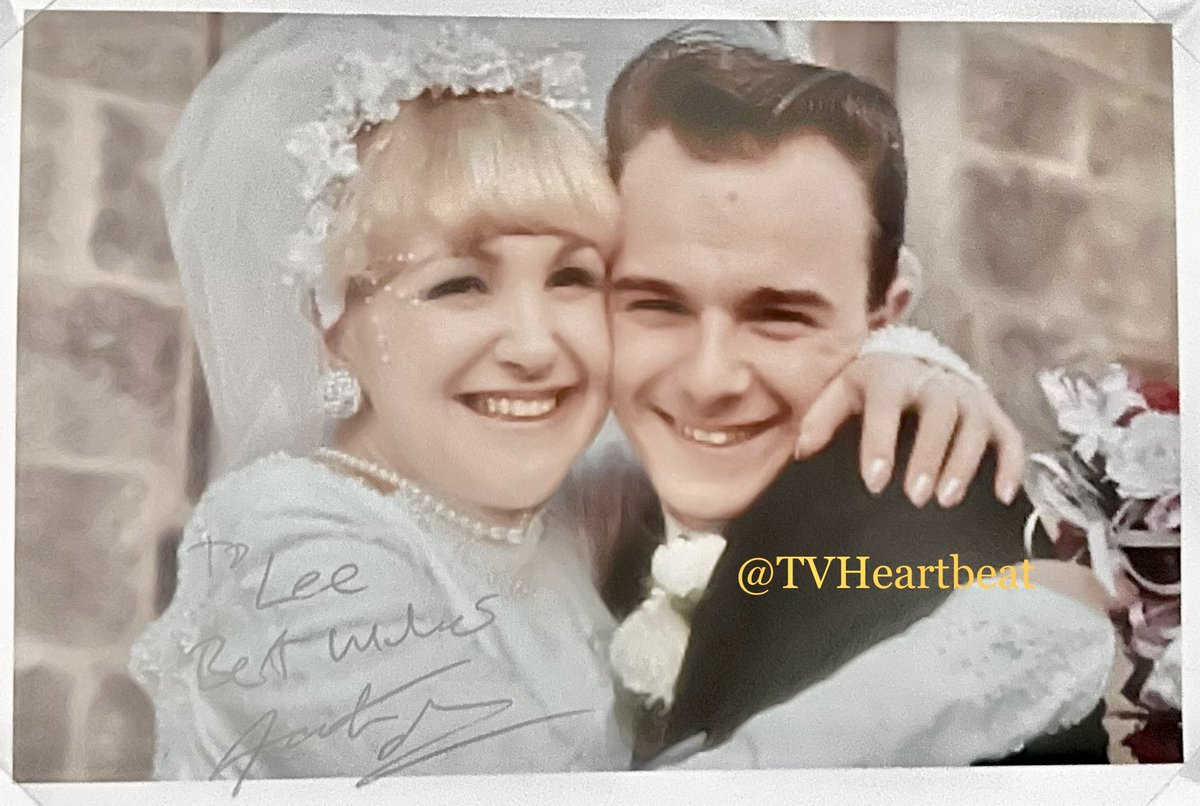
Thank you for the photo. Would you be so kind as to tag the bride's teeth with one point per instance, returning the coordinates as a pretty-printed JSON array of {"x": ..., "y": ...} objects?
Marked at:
[{"x": 507, "y": 407}]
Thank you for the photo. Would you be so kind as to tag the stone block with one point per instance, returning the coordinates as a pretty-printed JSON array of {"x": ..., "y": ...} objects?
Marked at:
[
  {"x": 1124, "y": 51},
  {"x": 97, "y": 372},
  {"x": 45, "y": 123},
  {"x": 1021, "y": 347},
  {"x": 73, "y": 553},
  {"x": 129, "y": 233},
  {"x": 1160, "y": 53},
  {"x": 1019, "y": 99},
  {"x": 1126, "y": 275},
  {"x": 867, "y": 49},
  {"x": 41, "y": 724},
  {"x": 1014, "y": 223},
  {"x": 1132, "y": 134},
  {"x": 150, "y": 55},
  {"x": 119, "y": 732}
]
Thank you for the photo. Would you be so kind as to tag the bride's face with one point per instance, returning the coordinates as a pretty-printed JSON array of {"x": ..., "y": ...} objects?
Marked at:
[{"x": 485, "y": 370}]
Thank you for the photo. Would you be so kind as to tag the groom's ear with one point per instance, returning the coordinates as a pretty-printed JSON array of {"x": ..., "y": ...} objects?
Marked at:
[{"x": 895, "y": 303}]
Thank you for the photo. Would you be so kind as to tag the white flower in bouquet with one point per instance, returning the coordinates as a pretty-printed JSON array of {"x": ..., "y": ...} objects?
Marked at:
[
  {"x": 683, "y": 565},
  {"x": 1089, "y": 411},
  {"x": 1144, "y": 461},
  {"x": 647, "y": 649},
  {"x": 1164, "y": 685}
]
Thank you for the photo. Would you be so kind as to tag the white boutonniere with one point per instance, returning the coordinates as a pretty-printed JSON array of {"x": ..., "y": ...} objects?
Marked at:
[{"x": 648, "y": 647}]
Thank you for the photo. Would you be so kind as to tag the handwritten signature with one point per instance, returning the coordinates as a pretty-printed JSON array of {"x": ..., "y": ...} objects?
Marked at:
[
  {"x": 354, "y": 722},
  {"x": 213, "y": 673}
]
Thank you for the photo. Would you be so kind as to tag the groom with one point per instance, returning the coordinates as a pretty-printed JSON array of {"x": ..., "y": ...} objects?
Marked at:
[{"x": 764, "y": 209}]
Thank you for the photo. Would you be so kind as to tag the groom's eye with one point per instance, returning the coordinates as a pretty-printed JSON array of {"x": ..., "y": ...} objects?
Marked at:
[
  {"x": 658, "y": 304},
  {"x": 782, "y": 315},
  {"x": 456, "y": 285}
]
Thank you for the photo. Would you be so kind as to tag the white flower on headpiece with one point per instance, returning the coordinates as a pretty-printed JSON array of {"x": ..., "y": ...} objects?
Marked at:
[
  {"x": 324, "y": 155},
  {"x": 647, "y": 649},
  {"x": 464, "y": 60},
  {"x": 1089, "y": 411},
  {"x": 1144, "y": 462},
  {"x": 560, "y": 81}
]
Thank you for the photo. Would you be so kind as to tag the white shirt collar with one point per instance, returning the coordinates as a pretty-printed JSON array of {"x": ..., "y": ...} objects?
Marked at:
[{"x": 674, "y": 530}]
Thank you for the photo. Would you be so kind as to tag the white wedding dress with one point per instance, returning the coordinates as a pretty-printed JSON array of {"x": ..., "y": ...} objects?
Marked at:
[
  {"x": 503, "y": 648},
  {"x": 306, "y": 598}
]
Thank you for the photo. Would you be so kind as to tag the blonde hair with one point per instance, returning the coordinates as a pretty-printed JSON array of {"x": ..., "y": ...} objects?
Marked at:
[{"x": 467, "y": 168}]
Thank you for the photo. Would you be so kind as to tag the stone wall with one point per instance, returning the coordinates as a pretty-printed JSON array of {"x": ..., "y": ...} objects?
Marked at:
[
  {"x": 109, "y": 407},
  {"x": 1042, "y": 207},
  {"x": 1042, "y": 198}
]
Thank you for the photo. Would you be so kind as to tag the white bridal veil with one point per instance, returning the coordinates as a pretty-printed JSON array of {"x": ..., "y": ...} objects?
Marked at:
[{"x": 233, "y": 198}]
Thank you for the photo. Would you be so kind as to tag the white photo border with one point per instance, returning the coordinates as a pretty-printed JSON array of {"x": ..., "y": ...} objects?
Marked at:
[{"x": 1133, "y": 784}]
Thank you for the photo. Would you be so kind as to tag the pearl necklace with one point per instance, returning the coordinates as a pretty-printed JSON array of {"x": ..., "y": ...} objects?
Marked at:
[{"x": 428, "y": 504}]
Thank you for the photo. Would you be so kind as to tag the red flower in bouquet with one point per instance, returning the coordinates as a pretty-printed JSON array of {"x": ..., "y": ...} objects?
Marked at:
[
  {"x": 1160, "y": 740},
  {"x": 1160, "y": 396}
]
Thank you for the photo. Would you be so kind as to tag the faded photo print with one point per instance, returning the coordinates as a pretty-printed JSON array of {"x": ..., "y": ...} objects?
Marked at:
[{"x": 413, "y": 395}]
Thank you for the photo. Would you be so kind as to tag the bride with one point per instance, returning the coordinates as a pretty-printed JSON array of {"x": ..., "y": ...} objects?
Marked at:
[{"x": 416, "y": 595}]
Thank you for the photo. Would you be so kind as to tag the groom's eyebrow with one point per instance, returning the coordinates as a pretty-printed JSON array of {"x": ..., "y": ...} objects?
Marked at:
[{"x": 764, "y": 297}]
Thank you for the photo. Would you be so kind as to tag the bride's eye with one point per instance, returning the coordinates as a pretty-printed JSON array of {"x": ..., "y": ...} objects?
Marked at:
[
  {"x": 456, "y": 285},
  {"x": 573, "y": 276}
]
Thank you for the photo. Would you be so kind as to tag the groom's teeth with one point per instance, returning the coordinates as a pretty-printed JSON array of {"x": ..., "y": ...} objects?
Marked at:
[
  {"x": 712, "y": 437},
  {"x": 510, "y": 408}
]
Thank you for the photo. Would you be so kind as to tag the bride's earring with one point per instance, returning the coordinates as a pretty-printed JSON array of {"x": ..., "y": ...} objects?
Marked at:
[{"x": 341, "y": 396}]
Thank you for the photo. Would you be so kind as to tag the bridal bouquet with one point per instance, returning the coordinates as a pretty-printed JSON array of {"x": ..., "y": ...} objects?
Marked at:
[{"x": 1110, "y": 499}]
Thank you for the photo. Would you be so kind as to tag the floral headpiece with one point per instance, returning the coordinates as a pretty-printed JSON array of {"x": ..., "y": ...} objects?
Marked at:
[{"x": 368, "y": 91}]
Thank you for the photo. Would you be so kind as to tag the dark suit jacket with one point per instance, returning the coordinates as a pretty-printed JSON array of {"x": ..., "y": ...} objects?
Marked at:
[{"x": 747, "y": 653}]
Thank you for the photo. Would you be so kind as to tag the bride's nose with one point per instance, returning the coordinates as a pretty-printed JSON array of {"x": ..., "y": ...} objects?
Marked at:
[{"x": 527, "y": 344}]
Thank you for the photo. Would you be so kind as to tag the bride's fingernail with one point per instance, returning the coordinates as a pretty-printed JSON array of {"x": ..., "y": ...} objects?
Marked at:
[
  {"x": 921, "y": 488},
  {"x": 1008, "y": 493},
  {"x": 877, "y": 475},
  {"x": 948, "y": 492}
]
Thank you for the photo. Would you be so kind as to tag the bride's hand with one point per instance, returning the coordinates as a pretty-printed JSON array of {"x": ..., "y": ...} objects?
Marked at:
[{"x": 958, "y": 419}]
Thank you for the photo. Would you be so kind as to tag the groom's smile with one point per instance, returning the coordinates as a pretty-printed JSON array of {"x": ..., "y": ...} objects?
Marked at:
[{"x": 732, "y": 275}]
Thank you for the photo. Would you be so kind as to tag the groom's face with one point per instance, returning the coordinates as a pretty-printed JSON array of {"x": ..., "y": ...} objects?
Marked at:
[{"x": 741, "y": 290}]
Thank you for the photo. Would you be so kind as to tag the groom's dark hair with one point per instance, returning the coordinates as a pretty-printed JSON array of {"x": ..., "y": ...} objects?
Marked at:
[{"x": 723, "y": 102}]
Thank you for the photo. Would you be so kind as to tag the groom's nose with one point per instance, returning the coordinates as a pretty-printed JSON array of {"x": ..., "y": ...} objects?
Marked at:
[{"x": 715, "y": 373}]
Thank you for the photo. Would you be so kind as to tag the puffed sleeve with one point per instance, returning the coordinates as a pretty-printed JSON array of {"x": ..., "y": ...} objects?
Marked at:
[{"x": 983, "y": 675}]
